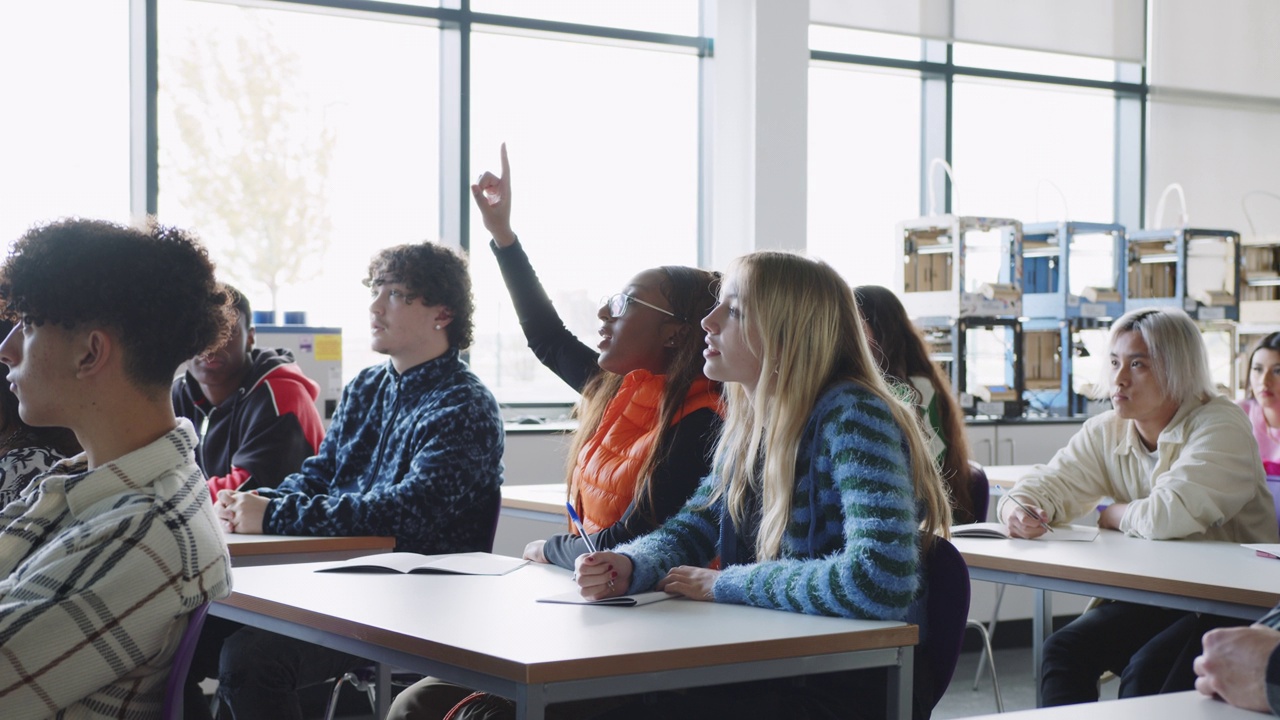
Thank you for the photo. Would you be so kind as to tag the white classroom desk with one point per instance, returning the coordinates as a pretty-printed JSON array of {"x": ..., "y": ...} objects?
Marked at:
[
  {"x": 252, "y": 550},
  {"x": 1002, "y": 477},
  {"x": 544, "y": 503},
  {"x": 1189, "y": 705},
  {"x": 1200, "y": 576},
  {"x": 489, "y": 633}
]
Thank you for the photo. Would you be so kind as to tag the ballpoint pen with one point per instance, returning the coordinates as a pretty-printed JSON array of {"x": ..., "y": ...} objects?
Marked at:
[
  {"x": 582, "y": 532},
  {"x": 1027, "y": 510}
]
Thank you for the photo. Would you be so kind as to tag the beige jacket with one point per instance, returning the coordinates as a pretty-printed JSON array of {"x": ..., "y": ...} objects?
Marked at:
[{"x": 1208, "y": 482}]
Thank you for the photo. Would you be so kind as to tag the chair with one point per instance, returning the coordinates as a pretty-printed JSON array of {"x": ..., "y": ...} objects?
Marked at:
[
  {"x": 945, "y": 615},
  {"x": 980, "y": 492},
  {"x": 1273, "y": 484},
  {"x": 173, "y": 690},
  {"x": 370, "y": 678}
]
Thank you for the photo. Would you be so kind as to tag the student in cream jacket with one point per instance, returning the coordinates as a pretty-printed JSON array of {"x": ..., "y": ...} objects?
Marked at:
[
  {"x": 1178, "y": 462},
  {"x": 1203, "y": 482}
]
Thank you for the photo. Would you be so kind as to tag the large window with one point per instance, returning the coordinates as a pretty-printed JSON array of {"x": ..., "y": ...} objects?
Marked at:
[
  {"x": 65, "y": 146},
  {"x": 605, "y": 183},
  {"x": 296, "y": 156},
  {"x": 1033, "y": 152},
  {"x": 864, "y": 167}
]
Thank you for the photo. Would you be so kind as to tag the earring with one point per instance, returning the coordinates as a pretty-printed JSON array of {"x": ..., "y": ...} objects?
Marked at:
[{"x": 437, "y": 326}]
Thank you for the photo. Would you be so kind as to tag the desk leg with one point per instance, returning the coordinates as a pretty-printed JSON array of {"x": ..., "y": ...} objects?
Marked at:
[
  {"x": 899, "y": 690},
  {"x": 1041, "y": 626},
  {"x": 528, "y": 707},
  {"x": 383, "y": 692}
]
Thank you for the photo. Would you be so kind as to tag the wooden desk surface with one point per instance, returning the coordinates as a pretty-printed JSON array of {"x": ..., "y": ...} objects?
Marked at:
[
  {"x": 1189, "y": 705},
  {"x": 492, "y": 625},
  {"x": 1217, "y": 572},
  {"x": 249, "y": 550}
]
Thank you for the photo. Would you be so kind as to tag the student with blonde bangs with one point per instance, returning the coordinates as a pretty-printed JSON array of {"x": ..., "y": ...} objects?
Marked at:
[
  {"x": 900, "y": 352},
  {"x": 1180, "y": 462},
  {"x": 1262, "y": 399},
  {"x": 648, "y": 418},
  {"x": 821, "y": 485}
]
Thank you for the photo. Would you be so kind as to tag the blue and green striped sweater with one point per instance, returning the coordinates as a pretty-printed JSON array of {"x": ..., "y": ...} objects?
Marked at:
[{"x": 851, "y": 545}]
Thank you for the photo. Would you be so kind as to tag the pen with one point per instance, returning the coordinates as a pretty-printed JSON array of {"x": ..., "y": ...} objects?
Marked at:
[
  {"x": 1027, "y": 510},
  {"x": 573, "y": 515}
]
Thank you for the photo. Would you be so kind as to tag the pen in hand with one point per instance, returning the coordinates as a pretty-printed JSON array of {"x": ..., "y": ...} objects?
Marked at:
[
  {"x": 1027, "y": 510},
  {"x": 582, "y": 532}
]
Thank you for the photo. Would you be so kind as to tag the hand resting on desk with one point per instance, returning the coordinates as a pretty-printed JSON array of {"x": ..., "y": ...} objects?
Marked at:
[
  {"x": 607, "y": 574},
  {"x": 240, "y": 512},
  {"x": 1234, "y": 665}
]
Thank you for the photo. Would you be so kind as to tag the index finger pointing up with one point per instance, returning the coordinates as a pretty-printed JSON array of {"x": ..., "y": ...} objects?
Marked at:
[{"x": 506, "y": 167}]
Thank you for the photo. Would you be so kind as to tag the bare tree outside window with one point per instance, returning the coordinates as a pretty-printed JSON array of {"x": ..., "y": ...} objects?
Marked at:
[{"x": 253, "y": 162}]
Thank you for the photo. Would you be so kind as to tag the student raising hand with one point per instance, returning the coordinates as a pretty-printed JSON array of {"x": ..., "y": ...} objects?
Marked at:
[{"x": 493, "y": 198}]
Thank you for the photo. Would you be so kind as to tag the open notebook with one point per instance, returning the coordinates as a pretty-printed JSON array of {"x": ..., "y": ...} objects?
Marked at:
[
  {"x": 1069, "y": 533},
  {"x": 574, "y": 598},
  {"x": 472, "y": 563}
]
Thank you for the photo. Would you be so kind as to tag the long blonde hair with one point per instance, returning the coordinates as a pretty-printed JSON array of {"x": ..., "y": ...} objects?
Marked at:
[{"x": 803, "y": 315}]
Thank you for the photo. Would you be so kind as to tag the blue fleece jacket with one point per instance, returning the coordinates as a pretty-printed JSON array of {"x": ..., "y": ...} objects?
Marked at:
[
  {"x": 850, "y": 548},
  {"x": 416, "y": 455}
]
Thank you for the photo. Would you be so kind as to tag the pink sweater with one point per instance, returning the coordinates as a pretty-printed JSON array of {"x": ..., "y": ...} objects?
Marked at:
[{"x": 1268, "y": 439}]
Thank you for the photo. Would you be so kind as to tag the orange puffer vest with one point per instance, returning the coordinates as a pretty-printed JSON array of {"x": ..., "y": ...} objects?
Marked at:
[{"x": 605, "y": 478}]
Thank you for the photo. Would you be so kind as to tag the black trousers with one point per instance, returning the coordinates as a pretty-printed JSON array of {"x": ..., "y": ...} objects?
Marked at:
[{"x": 1151, "y": 649}]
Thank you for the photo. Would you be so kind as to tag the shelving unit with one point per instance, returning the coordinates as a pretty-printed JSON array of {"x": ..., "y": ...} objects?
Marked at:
[
  {"x": 982, "y": 356},
  {"x": 1195, "y": 269},
  {"x": 961, "y": 281},
  {"x": 1260, "y": 284},
  {"x": 1073, "y": 270},
  {"x": 960, "y": 266},
  {"x": 1073, "y": 278}
]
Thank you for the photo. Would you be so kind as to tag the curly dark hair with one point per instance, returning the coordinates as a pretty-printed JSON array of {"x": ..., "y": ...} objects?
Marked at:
[
  {"x": 434, "y": 273},
  {"x": 155, "y": 287}
]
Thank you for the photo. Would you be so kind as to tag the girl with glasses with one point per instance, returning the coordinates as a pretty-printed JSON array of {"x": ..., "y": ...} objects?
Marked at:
[{"x": 648, "y": 417}]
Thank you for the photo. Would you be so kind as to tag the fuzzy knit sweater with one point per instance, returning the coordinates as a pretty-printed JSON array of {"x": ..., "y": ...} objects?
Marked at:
[{"x": 850, "y": 548}]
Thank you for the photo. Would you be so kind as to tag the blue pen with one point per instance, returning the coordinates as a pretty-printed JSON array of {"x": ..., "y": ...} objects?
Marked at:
[{"x": 582, "y": 532}]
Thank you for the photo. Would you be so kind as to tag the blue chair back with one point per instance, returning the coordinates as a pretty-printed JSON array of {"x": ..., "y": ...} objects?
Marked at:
[
  {"x": 979, "y": 491},
  {"x": 946, "y": 615},
  {"x": 173, "y": 690}
]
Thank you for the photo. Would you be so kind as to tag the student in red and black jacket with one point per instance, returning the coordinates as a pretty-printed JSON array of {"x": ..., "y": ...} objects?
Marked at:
[{"x": 254, "y": 410}]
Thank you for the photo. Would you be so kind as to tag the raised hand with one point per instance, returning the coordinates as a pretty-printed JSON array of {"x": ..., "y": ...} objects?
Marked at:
[{"x": 493, "y": 197}]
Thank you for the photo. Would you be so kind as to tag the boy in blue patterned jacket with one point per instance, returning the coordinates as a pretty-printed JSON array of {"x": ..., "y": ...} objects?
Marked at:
[{"x": 414, "y": 452}]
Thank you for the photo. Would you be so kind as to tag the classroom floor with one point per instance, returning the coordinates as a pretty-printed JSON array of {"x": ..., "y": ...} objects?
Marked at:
[{"x": 1016, "y": 686}]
